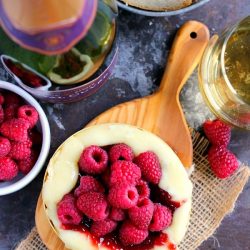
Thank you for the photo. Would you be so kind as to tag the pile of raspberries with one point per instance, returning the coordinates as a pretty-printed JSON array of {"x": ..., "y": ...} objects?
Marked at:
[
  {"x": 114, "y": 194},
  {"x": 19, "y": 140}
]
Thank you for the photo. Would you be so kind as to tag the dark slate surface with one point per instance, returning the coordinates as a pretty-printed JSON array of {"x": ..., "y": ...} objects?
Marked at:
[{"x": 144, "y": 45}]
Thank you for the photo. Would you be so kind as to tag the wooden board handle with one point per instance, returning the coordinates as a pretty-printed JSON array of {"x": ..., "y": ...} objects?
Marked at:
[{"x": 189, "y": 44}]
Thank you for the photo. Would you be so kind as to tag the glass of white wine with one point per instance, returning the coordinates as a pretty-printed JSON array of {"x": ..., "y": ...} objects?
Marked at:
[{"x": 224, "y": 75}]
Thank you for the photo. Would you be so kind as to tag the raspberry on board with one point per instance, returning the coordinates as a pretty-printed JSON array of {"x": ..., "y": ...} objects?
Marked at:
[
  {"x": 88, "y": 184},
  {"x": 120, "y": 152},
  {"x": 222, "y": 161},
  {"x": 93, "y": 160},
  {"x": 67, "y": 212},
  {"x": 28, "y": 113},
  {"x": 4, "y": 146},
  {"x": 124, "y": 172},
  {"x": 8, "y": 169},
  {"x": 142, "y": 213},
  {"x": 131, "y": 235},
  {"x": 150, "y": 166},
  {"x": 101, "y": 228},
  {"x": 15, "y": 129},
  {"x": 94, "y": 205},
  {"x": 123, "y": 196},
  {"x": 217, "y": 132},
  {"x": 162, "y": 218}
]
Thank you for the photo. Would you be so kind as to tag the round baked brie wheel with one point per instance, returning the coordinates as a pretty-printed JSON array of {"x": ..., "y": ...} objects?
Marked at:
[{"x": 62, "y": 175}]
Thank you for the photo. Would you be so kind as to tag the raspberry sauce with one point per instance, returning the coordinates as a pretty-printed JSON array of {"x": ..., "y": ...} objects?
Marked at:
[
  {"x": 112, "y": 242},
  {"x": 27, "y": 77}
]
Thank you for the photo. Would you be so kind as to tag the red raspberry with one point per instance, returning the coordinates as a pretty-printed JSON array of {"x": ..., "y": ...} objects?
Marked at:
[
  {"x": 15, "y": 129},
  {"x": 1, "y": 114},
  {"x": 11, "y": 98},
  {"x": 19, "y": 150},
  {"x": 142, "y": 213},
  {"x": 150, "y": 166},
  {"x": 28, "y": 113},
  {"x": 88, "y": 184},
  {"x": 123, "y": 196},
  {"x": 94, "y": 205},
  {"x": 67, "y": 212},
  {"x": 217, "y": 132},
  {"x": 222, "y": 161},
  {"x": 1, "y": 99},
  {"x": 10, "y": 112},
  {"x": 117, "y": 214},
  {"x": 4, "y": 146},
  {"x": 120, "y": 152},
  {"x": 124, "y": 172},
  {"x": 131, "y": 235},
  {"x": 162, "y": 218},
  {"x": 93, "y": 160},
  {"x": 143, "y": 189},
  {"x": 27, "y": 164},
  {"x": 8, "y": 169},
  {"x": 103, "y": 227}
]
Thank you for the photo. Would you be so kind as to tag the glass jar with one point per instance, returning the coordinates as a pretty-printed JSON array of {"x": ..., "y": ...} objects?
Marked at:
[
  {"x": 224, "y": 75},
  {"x": 62, "y": 41}
]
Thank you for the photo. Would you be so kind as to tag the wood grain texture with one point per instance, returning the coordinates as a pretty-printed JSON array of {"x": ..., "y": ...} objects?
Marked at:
[{"x": 159, "y": 113}]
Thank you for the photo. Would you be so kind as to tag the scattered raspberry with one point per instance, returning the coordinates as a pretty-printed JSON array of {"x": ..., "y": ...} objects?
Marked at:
[
  {"x": 88, "y": 184},
  {"x": 8, "y": 169},
  {"x": 217, "y": 132},
  {"x": 142, "y": 213},
  {"x": 222, "y": 162},
  {"x": 19, "y": 150},
  {"x": 123, "y": 196},
  {"x": 162, "y": 218},
  {"x": 28, "y": 113},
  {"x": 131, "y": 235},
  {"x": 117, "y": 214},
  {"x": 120, "y": 152},
  {"x": 150, "y": 166},
  {"x": 1, "y": 114},
  {"x": 101, "y": 228},
  {"x": 143, "y": 189},
  {"x": 93, "y": 205},
  {"x": 93, "y": 160},
  {"x": 11, "y": 98},
  {"x": 67, "y": 211},
  {"x": 35, "y": 137},
  {"x": 15, "y": 129},
  {"x": 4, "y": 146},
  {"x": 1, "y": 99},
  {"x": 124, "y": 172},
  {"x": 27, "y": 164},
  {"x": 10, "y": 112}
]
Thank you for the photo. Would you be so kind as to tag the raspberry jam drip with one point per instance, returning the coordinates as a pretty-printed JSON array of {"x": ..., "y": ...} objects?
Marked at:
[
  {"x": 111, "y": 241},
  {"x": 159, "y": 195}
]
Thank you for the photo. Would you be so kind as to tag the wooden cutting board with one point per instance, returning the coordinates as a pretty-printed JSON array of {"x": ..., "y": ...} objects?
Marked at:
[{"x": 159, "y": 113}]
